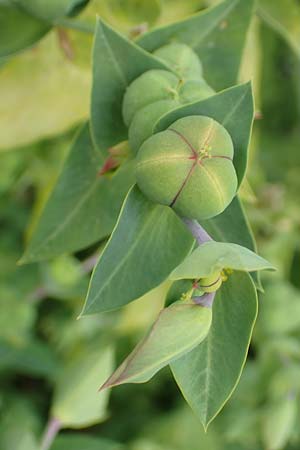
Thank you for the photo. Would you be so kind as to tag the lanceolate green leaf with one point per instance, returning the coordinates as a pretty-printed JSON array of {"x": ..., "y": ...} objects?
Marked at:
[
  {"x": 208, "y": 375},
  {"x": 217, "y": 35},
  {"x": 18, "y": 29},
  {"x": 177, "y": 330},
  {"x": 116, "y": 63},
  {"x": 214, "y": 256},
  {"x": 83, "y": 206},
  {"x": 233, "y": 108},
  {"x": 148, "y": 242}
]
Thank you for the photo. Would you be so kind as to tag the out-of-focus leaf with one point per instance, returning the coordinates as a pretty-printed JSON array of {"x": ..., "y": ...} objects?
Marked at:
[
  {"x": 16, "y": 316},
  {"x": 208, "y": 375},
  {"x": 43, "y": 92},
  {"x": 217, "y": 35},
  {"x": 34, "y": 358},
  {"x": 51, "y": 10},
  {"x": 214, "y": 256},
  {"x": 126, "y": 15},
  {"x": 174, "y": 10},
  {"x": 233, "y": 108},
  {"x": 77, "y": 402},
  {"x": 147, "y": 243},
  {"x": 176, "y": 331},
  {"x": 83, "y": 206},
  {"x": 84, "y": 442},
  {"x": 251, "y": 65},
  {"x": 280, "y": 309},
  {"x": 278, "y": 422},
  {"x": 18, "y": 29},
  {"x": 284, "y": 18},
  {"x": 116, "y": 63},
  {"x": 18, "y": 427},
  {"x": 186, "y": 433},
  {"x": 64, "y": 278}
]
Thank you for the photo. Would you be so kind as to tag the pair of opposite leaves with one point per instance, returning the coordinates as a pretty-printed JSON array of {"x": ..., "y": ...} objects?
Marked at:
[{"x": 183, "y": 325}]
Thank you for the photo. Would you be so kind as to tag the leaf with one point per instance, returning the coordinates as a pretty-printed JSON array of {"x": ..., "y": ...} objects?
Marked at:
[
  {"x": 217, "y": 35},
  {"x": 76, "y": 403},
  {"x": 132, "y": 13},
  {"x": 19, "y": 425},
  {"x": 43, "y": 93},
  {"x": 280, "y": 310},
  {"x": 176, "y": 331},
  {"x": 34, "y": 358},
  {"x": 17, "y": 316},
  {"x": 214, "y": 256},
  {"x": 83, "y": 206},
  {"x": 81, "y": 441},
  {"x": 233, "y": 226},
  {"x": 233, "y": 108},
  {"x": 208, "y": 375},
  {"x": 279, "y": 421},
  {"x": 284, "y": 18},
  {"x": 50, "y": 10},
  {"x": 116, "y": 63},
  {"x": 18, "y": 30},
  {"x": 147, "y": 243}
]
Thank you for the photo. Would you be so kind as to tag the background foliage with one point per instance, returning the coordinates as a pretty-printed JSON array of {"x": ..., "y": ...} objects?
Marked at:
[{"x": 45, "y": 92}]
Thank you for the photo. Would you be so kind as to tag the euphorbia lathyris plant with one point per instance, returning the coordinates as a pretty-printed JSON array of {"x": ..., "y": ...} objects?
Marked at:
[{"x": 171, "y": 95}]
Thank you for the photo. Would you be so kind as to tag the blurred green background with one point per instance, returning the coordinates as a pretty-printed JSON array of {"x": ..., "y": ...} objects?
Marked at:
[{"x": 49, "y": 361}]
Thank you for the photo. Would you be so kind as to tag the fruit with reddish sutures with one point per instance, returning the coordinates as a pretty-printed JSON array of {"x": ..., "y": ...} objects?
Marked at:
[
  {"x": 151, "y": 86},
  {"x": 153, "y": 94},
  {"x": 182, "y": 59},
  {"x": 189, "y": 167},
  {"x": 211, "y": 283}
]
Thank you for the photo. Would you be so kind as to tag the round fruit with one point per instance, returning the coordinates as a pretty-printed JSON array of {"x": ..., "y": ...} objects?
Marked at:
[
  {"x": 143, "y": 122},
  {"x": 182, "y": 59},
  {"x": 189, "y": 167},
  {"x": 211, "y": 283},
  {"x": 148, "y": 88}
]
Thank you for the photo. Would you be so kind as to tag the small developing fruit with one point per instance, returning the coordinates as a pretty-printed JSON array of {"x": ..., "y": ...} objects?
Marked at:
[
  {"x": 211, "y": 283},
  {"x": 142, "y": 111},
  {"x": 189, "y": 167},
  {"x": 148, "y": 88},
  {"x": 182, "y": 59}
]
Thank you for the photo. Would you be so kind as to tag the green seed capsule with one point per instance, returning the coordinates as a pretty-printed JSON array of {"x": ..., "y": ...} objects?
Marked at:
[
  {"x": 143, "y": 122},
  {"x": 142, "y": 125},
  {"x": 189, "y": 167},
  {"x": 211, "y": 283},
  {"x": 151, "y": 86},
  {"x": 182, "y": 59},
  {"x": 194, "y": 90}
]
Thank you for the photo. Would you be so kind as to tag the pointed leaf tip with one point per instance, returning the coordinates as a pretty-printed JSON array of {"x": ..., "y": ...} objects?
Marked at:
[{"x": 177, "y": 330}]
